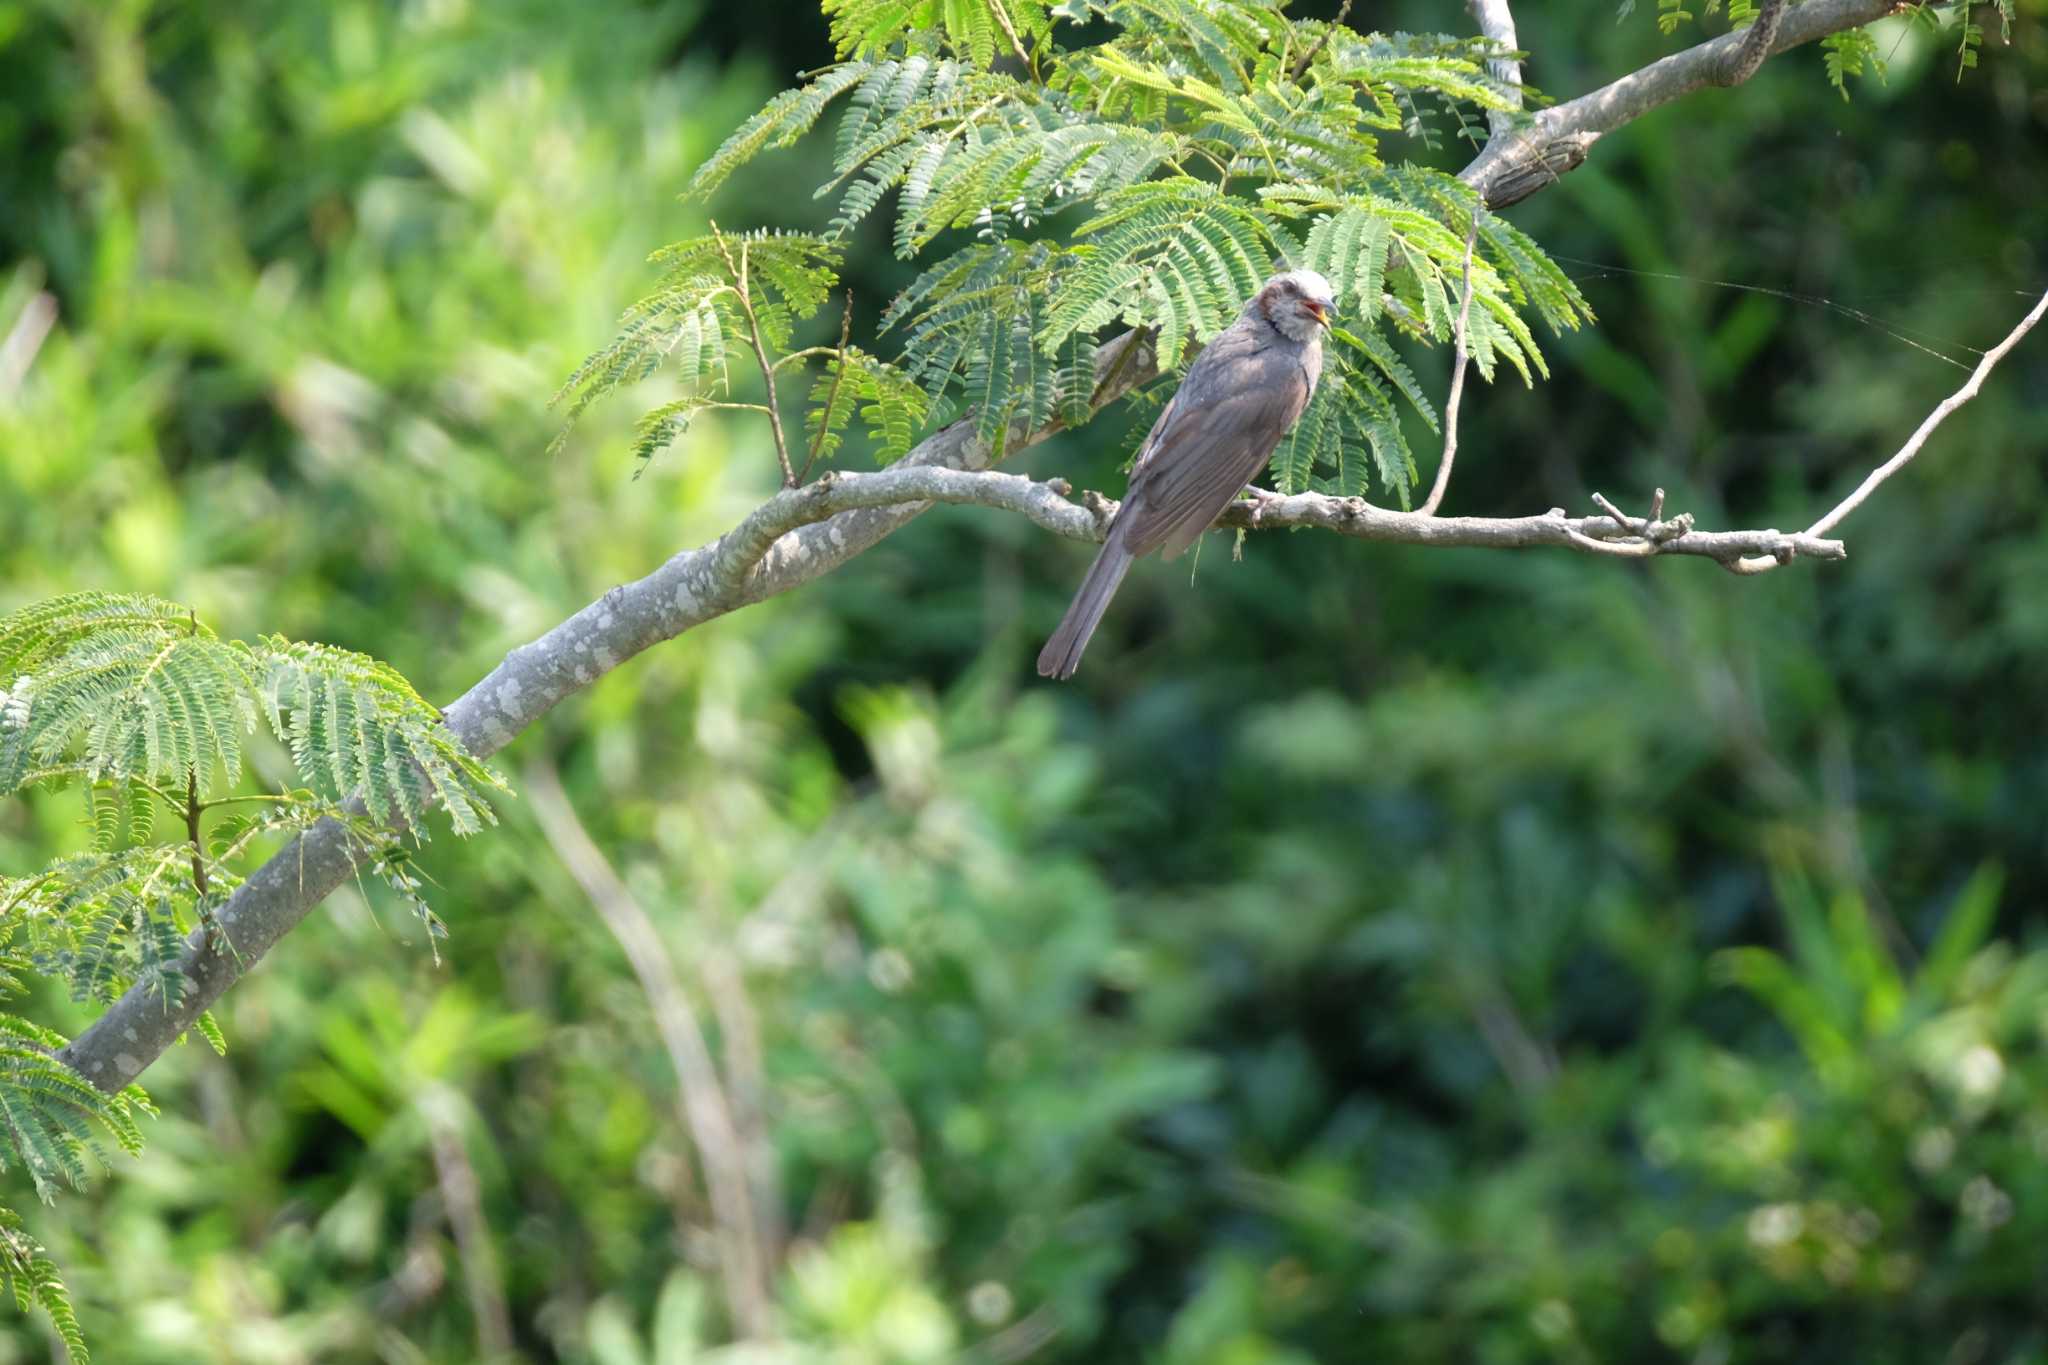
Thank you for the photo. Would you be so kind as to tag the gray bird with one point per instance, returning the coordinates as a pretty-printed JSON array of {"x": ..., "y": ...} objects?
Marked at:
[{"x": 1241, "y": 395}]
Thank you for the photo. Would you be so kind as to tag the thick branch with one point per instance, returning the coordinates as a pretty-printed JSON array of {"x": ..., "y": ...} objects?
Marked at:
[
  {"x": 1756, "y": 45},
  {"x": 744, "y": 566},
  {"x": 1517, "y": 165}
]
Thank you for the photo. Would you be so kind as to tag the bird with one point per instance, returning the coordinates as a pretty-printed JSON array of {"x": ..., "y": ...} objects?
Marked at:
[{"x": 1242, "y": 394}]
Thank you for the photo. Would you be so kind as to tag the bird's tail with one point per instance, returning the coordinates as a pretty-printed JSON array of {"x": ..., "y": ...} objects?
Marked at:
[{"x": 1062, "y": 653}]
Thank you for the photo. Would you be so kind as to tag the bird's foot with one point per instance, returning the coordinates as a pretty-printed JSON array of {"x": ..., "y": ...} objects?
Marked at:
[{"x": 1260, "y": 499}]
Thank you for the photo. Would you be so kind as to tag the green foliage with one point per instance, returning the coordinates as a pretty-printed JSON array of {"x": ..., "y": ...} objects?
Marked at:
[
  {"x": 127, "y": 688},
  {"x": 1206, "y": 142},
  {"x": 135, "y": 698},
  {"x": 1333, "y": 983},
  {"x": 716, "y": 292},
  {"x": 135, "y": 701},
  {"x": 1970, "y": 35},
  {"x": 358, "y": 731},
  {"x": 1850, "y": 53},
  {"x": 1353, "y": 415},
  {"x": 980, "y": 30},
  {"x": 33, "y": 1277},
  {"x": 48, "y": 1112},
  {"x": 889, "y": 401},
  {"x": 1174, "y": 255},
  {"x": 976, "y": 321},
  {"x": 50, "y": 1117},
  {"x": 786, "y": 118}
]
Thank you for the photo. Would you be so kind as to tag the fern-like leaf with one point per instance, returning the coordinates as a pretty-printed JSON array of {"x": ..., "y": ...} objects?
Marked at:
[
  {"x": 33, "y": 1277},
  {"x": 357, "y": 730},
  {"x": 786, "y": 118},
  {"x": 1351, "y": 430},
  {"x": 691, "y": 319},
  {"x": 975, "y": 30},
  {"x": 888, "y": 401},
  {"x": 1176, "y": 255}
]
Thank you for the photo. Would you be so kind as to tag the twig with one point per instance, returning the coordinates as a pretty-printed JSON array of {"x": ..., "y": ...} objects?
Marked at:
[
  {"x": 1459, "y": 358},
  {"x": 739, "y": 276},
  {"x": 1315, "y": 49},
  {"x": 1016, "y": 44},
  {"x": 24, "y": 339},
  {"x": 832, "y": 395},
  {"x": 1614, "y": 514},
  {"x": 193, "y": 810},
  {"x": 706, "y": 1113},
  {"x": 1913, "y": 443}
]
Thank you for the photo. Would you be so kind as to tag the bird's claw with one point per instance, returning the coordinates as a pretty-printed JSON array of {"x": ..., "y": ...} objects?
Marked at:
[{"x": 1260, "y": 500}]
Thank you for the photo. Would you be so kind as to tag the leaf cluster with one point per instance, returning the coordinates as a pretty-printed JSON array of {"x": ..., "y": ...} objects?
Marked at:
[
  {"x": 32, "y": 1276},
  {"x": 138, "y": 699},
  {"x": 141, "y": 706},
  {"x": 1199, "y": 146}
]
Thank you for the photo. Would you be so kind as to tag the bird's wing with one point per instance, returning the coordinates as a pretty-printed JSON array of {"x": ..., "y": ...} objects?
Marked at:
[{"x": 1209, "y": 445}]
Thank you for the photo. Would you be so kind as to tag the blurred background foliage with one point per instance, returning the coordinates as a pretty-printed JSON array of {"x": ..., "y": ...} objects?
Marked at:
[{"x": 1376, "y": 954}]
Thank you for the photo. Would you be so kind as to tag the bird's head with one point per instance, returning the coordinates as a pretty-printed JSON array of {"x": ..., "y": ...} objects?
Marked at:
[{"x": 1297, "y": 302}]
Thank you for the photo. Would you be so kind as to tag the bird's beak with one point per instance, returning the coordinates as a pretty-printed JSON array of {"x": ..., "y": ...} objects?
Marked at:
[{"x": 1321, "y": 311}]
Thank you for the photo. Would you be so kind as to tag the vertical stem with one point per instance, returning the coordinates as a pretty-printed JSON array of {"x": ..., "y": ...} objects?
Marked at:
[
  {"x": 193, "y": 810},
  {"x": 1302, "y": 64},
  {"x": 707, "y": 1112},
  {"x": 739, "y": 275},
  {"x": 1016, "y": 43},
  {"x": 1443, "y": 468},
  {"x": 832, "y": 395},
  {"x": 462, "y": 1203},
  {"x": 1497, "y": 22}
]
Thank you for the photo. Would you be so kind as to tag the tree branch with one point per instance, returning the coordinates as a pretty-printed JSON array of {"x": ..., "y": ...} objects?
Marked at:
[
  {"x": 1756, "y": 45},
  {"x": 1914, "y": 442},
  {"x": 1497, "y": 22},
  {"x": 693, "y": 587},
  {"x": 1514, "y": 166},
  {"x": 804, "y": 533}
]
